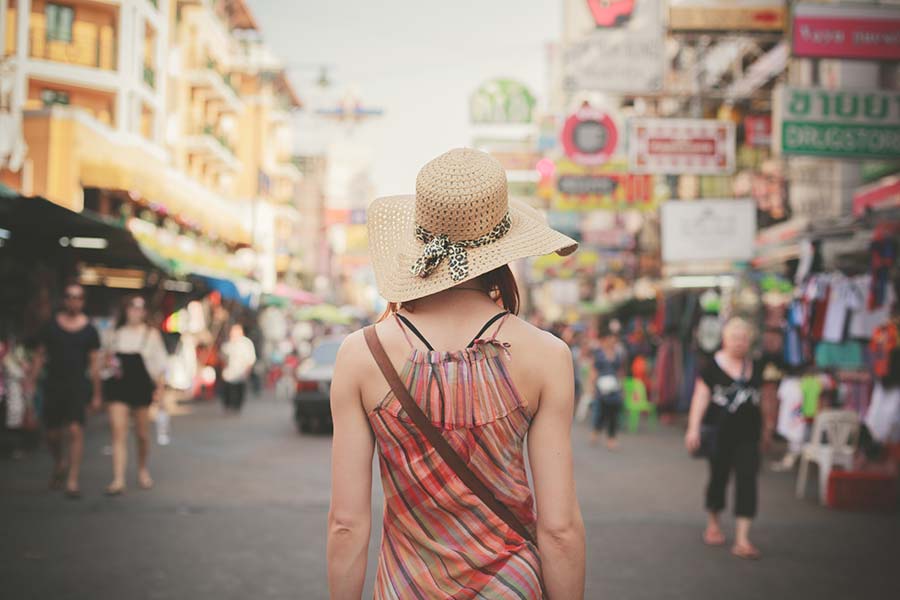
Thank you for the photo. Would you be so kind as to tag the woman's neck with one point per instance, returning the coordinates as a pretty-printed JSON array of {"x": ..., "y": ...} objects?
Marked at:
[{"x": 457, "y": 300}]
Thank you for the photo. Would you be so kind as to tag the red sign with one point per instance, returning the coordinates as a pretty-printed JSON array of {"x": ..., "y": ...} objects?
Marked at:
[
  {"x": 610, "y": 13},
  {"x": 589, "y": 137},
  {"x": 828, "y": 31},
  {"x": 758, "y": 130}
]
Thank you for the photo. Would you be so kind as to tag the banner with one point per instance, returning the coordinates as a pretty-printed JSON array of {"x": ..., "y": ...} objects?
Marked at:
[
  {"x": 727, "y": 15},
  {"x": 614, "y": 46},
  {"x": 677, "y": 146},
  {"x": 502, "y": 101},
  {"x": 846, "y": 31},
  {"x": 708, "y": 230},
  {"x": 837, "y": 123},
  {"x": 609, "y": 187}
]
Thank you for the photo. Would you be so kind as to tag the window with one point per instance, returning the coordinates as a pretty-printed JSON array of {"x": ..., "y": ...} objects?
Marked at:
[
  {"x": 59, "y": 22},
  {"x": 50, "y": 97}
]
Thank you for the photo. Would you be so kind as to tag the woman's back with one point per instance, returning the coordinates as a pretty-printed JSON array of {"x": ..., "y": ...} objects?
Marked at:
[
  {"x": 434, "y": 526},
  {"x": 459, "y": 515}
]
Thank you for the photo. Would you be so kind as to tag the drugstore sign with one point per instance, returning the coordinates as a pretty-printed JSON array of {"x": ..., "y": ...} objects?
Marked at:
[{"x": 837, "y": 123}]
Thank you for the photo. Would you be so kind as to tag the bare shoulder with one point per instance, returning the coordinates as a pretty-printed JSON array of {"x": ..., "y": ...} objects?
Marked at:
[{"x": 544, "y": 344}]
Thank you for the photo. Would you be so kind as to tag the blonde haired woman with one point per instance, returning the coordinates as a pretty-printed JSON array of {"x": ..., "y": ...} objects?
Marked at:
[
  {"x": 726, "y": 403},
  {"x": 446, "y": 386}
]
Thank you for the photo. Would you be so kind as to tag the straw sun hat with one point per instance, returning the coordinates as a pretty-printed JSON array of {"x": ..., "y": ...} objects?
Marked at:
[{"x": 459, "y": 225}]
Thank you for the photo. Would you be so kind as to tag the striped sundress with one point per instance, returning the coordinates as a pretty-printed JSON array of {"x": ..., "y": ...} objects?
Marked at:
[{"x": 439, "y": 539}]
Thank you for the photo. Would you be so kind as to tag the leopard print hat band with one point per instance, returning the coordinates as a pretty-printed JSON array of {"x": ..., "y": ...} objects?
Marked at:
[{"x": 439, "y": 247}]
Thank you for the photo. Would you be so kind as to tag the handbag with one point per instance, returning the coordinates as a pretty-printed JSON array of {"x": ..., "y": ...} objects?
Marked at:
[{"x": 437, "y": 441}]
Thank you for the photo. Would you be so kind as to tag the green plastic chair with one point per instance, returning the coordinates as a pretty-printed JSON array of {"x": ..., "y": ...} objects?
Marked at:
[{"x": 636, "y": 404}]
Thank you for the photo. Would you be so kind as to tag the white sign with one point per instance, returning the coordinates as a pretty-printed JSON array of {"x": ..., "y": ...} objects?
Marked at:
[
  {"x": 614, "y": 46},
  {"x": 703, "y": 230},
  {"x": 681, "y": 146}
]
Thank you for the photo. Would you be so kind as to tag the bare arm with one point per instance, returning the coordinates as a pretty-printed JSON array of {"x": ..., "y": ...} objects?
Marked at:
[
  {"x": 350, "y": 515},
  {"x": 699, "y": 403},
  {"x": 561, "y": 539},
  {"x": 97, "y": 400}
]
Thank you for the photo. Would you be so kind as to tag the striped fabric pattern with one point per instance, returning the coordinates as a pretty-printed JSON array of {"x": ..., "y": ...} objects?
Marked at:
[{"x": 439, "y": 539}]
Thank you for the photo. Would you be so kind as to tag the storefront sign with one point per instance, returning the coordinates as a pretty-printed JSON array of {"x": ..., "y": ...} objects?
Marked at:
[
  {"x": 501, "y": 101},
  {"x": 676, "y": 146},
  {"x": 704, "y": 230},
  {"x": 758, "y": 130},
  {"x": 613, "y": 46},
  {"x": 589, "y": 137},
  {"x": 878, "y": 196},
  {"x": 846, "y": 31},
  {"x": 838, "y": 123},
  {"x": 731, "y": 15},
  {"x": 609, "y": 187}
]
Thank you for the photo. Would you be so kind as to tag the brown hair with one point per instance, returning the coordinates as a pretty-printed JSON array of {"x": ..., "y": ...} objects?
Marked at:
[
  {"x": 499, "y": 283},
  {"x": 123, "y": 309}
]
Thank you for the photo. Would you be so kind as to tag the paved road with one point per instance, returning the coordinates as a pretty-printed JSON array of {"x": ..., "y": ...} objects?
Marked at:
[{"x": 240, "y": 504}]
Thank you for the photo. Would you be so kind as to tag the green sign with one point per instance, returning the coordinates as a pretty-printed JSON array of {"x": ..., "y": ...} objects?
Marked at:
[
  {"x": 840, "y": 123},
  {"x": 502, "y": 101}
]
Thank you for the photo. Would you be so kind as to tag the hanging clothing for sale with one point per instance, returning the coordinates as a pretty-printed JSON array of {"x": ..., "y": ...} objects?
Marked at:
[
  {"x": 848, "y": 355},
  {"x": 811, "y": 388},
  {"x": 864, "y": 320},
  {"x": 883, "y": 417},
  {"x": 883, "y": 348},
  {"x": 843, "y": 297},
  {"x": 794, "y": 355},
  {"x": 791, "y": 418},
  {"x": 854, "y": 391},
  {"x": 884, "y": 255}
]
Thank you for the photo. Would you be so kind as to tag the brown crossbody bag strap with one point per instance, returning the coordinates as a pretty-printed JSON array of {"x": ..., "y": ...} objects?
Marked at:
[{"x": 434, "y": 437}]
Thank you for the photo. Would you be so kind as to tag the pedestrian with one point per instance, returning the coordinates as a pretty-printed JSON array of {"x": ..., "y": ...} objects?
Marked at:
[
  {"x": 138, "y": 355},
  {"x": 609, "y": 360},
  {"x": 450, "y": 429},
  {"x": 239, "y": 356},
  {"x": 725, "y": 425},
  {"x": 68, "y": 345}
]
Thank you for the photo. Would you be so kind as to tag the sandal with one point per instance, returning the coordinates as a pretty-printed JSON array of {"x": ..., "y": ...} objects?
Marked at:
[
  {"x": 746, "y": 552},
  {"x": 713, "y": 540},
  {"x": 57, "y": 479},
  {"x": 73, "y": 494},
  {"x": 145, "y": 483},
  {"x": 116, "y": 490}
]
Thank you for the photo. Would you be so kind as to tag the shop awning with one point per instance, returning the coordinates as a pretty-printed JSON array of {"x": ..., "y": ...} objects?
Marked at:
[
  {"x": 40, "y": 229},
  {"x": 284, "y": 294},
  {"x": 244, "y": 291}
]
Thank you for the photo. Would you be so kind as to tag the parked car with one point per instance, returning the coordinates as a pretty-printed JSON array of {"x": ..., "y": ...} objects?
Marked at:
[{"x": 312, "y": 409}]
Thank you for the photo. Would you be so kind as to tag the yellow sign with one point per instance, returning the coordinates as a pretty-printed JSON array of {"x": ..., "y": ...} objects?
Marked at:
[{"x": 605, "y": 187}]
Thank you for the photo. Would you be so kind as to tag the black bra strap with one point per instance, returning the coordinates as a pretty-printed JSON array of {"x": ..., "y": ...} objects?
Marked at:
[
  {"x": 419, "y": 335},
  {"x": 490, "y": 322},
  {"x": 414, "y": 330}
]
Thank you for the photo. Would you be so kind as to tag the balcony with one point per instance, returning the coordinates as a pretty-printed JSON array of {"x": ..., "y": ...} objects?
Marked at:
[
  {"x": 214, "y": 146},
  {"x": 216, "y": 85},
  {"x": 96, "y": 49},
  {"x": 150, "y": 76}
]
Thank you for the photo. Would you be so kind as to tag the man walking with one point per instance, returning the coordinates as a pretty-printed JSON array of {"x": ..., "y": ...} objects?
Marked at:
[
  {"x": 239, "y": 356},
  {"x": 68, "y": 346}
]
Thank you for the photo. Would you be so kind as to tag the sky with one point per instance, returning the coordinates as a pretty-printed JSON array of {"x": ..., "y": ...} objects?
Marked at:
[{"x": 418, "y": 60}]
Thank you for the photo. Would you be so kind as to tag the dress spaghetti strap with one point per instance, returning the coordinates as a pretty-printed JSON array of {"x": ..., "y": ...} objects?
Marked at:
[
  {"x": 487, "y": 325},
  {"x": 413, "y": 329}
]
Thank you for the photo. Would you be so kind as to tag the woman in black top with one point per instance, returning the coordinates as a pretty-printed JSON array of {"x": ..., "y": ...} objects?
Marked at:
[{"x": 727, "y": 401}]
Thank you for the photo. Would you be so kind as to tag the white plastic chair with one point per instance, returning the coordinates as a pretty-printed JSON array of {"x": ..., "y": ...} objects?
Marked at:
[{"x": 833, "y": 443}]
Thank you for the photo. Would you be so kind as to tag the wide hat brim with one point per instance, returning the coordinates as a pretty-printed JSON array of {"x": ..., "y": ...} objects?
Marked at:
[{"x": 394, "y": 248}]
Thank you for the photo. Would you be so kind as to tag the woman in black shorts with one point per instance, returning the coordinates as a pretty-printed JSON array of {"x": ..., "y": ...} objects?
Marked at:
[{"x": 139, "y": 357}]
